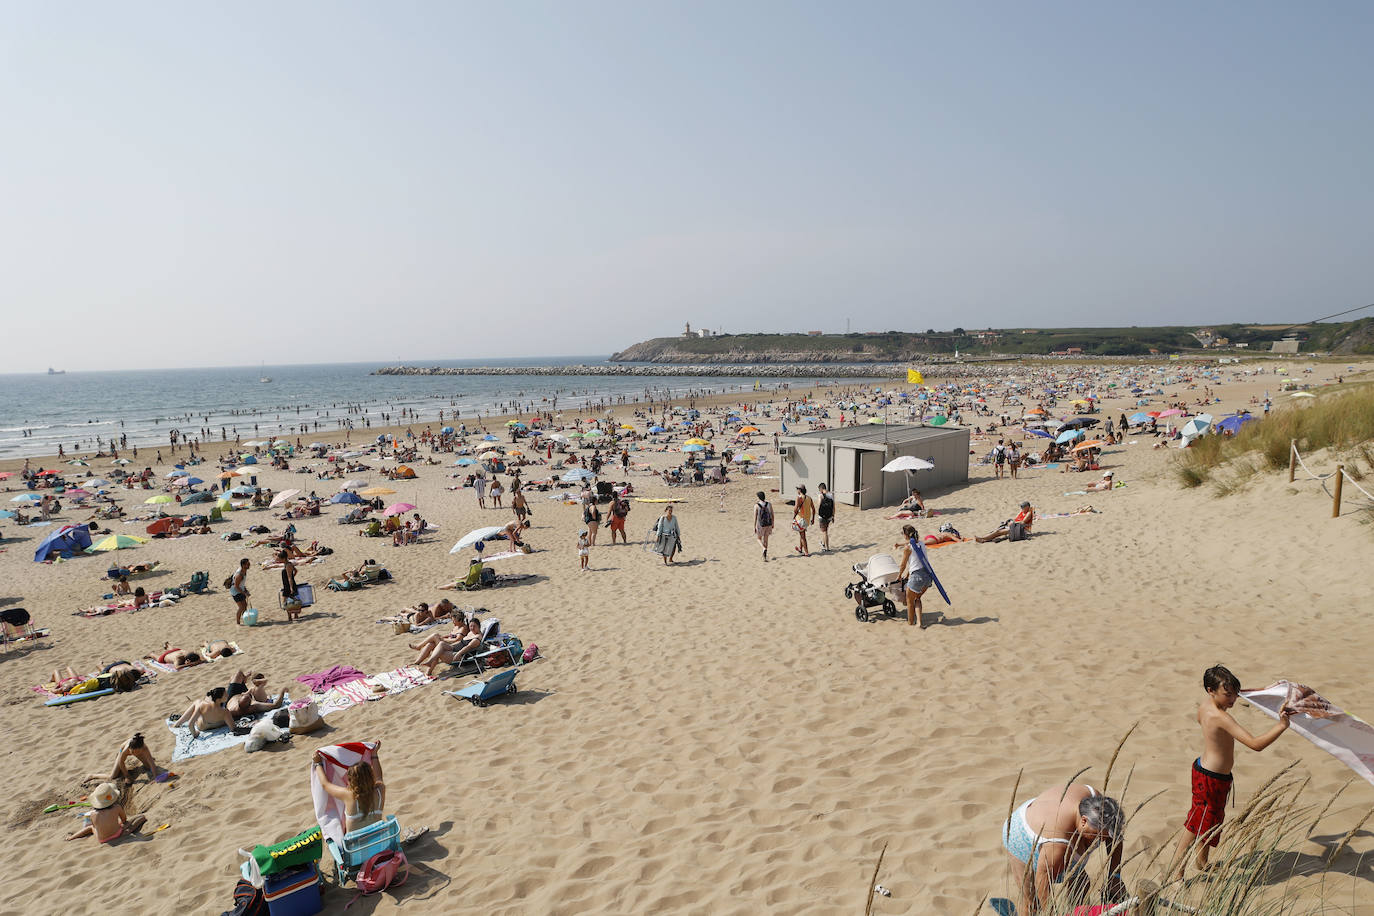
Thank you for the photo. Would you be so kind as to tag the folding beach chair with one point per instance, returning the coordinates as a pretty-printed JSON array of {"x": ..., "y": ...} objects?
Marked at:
[
  {"x": 483, "y": 692},
  {"x": 360, "y": 845},
  {"x": 16, "y": 625}
]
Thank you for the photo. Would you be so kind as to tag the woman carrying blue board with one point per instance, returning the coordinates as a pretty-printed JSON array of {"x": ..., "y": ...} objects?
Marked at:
[{"x": 919, "y": 575}]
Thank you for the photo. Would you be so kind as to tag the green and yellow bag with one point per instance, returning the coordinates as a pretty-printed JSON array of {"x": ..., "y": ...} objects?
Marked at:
[{"x": 301, "y": 848}]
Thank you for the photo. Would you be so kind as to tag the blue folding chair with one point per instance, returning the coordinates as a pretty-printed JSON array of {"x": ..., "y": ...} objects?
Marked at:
[
  {"x": 483, "y": 692},
  {"x": 360, "y": 845}
]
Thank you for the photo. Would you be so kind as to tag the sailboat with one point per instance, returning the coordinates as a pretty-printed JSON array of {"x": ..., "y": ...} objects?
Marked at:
[
  {"x": 52, "y": 371},
  {"x": 266, "y": 379}
]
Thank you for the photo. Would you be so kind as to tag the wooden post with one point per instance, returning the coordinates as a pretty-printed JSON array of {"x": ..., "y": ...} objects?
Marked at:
[
  {"x": 1336, "y": 494},
  {"x": 1292, "y": 458}
]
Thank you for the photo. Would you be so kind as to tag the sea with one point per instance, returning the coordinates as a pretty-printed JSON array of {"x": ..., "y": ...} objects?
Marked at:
[{"x": 83, "y": 410}]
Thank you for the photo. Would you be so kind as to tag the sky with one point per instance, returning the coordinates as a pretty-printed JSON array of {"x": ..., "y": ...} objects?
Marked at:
[{"x": 229, "y": 184}]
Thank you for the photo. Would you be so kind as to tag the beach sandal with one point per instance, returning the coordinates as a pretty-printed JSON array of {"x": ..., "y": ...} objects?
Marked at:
[{"x": 412, "y": 835}]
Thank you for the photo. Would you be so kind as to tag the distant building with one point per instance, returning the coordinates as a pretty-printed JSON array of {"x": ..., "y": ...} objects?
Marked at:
[
  {"x": 1242, "y": 346},
  {"x": 987, "y": 335},
  {"x": 1287, "y": 345},
  {"x": 689, "y": 332},
  {"x": 814, "y": 333},
  {"x": 1030, "y": 331}
]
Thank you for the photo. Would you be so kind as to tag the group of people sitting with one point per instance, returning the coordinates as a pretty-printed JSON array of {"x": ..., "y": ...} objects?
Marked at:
[
  {"x": 449, "y": 648},
  {"x": 245, "y": 695}
]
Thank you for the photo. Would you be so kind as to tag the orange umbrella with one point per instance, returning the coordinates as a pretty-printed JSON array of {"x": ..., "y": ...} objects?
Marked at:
[
  {"x": 1038, "y": 410},
  {"x": 1091, "y": 443}
]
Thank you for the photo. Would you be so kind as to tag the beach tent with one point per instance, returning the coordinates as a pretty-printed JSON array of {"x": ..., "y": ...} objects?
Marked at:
[
  {"x": 66, "y": 541},
  {"x": 404, "y": 472},
  {"x": 577, "y": 475}
]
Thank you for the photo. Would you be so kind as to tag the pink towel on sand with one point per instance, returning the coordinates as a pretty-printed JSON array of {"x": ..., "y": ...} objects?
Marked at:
[{"x": 333, "y": 677}]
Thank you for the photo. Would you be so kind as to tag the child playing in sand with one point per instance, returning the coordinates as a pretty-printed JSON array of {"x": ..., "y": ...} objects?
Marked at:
[
  {"x": 107, "y": 820},
  {"x": 584, "y": 549},
  {"x": 1212, "y": 771}
]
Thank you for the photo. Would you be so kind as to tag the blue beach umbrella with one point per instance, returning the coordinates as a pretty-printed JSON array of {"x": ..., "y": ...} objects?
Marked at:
[
  {"x": 179, "y": 473},
  {"x": 446, "y": 430},
  {"x": 694, "y": 448},
  {"x": 347, "y": 497},
  {"x": 1040, "y": 432},
  {"x": 1069, "y": 435},
  {"x": 1234, "y": 422},
  {"x": 1140, "y": 417},
  {"x": 464, "y": 462},
  {"x": 488, "y": 438},
  {"x": 244, "y": 490},
  {"x": 577, "y": 475},
  {"x": 657, "y": 429},
  {"x": 27, "y": 498}
]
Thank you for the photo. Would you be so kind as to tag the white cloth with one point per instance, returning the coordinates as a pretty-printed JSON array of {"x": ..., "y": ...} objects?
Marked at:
[{"x": 1345, "y": 737}]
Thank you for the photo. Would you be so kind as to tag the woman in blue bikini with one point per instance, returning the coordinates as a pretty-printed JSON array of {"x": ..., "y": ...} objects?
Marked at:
[{"x": 1050, "y": 836}]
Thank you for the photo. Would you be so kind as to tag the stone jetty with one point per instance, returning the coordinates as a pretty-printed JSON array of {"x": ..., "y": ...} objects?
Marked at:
[{"x": 763, "y": 370}]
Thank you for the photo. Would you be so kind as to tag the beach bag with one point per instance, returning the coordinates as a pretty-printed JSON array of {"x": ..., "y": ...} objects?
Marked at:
[
  {"x": 305, "y": 719},
  {"x": 1016, "y": 532},
  {"x": 248, "y": 900},
  {"x": 300, "y": 849},
  {"x": 530, "y": 654},
  {"x": 228, "y": 581},
  {"x": 388, "y": 868},
  {"x": 766, "y": 516}
]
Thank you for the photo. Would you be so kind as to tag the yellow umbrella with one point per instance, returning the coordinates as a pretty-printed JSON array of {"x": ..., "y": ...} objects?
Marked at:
[
  {"x": 626, "y": 426},
  {"x": 377, "y": 491},
  {"x": 154, "y": 500},
  {"x": 118, "y": 542},
  {"x": 695, "y": 441}
]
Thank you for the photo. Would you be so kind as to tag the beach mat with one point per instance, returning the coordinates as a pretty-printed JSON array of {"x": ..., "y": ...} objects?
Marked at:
[{"x": 212, "y": 741}]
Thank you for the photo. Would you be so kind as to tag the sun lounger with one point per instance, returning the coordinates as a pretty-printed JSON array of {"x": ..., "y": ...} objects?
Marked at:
[{"x": 483, "y": 692}]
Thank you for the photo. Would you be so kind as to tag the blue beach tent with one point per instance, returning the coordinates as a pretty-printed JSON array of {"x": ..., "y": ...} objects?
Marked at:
[{"x": 66, "y": 541}]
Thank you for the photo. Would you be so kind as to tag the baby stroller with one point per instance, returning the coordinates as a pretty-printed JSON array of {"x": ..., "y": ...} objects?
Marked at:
[{"x": 875, "y": 577}]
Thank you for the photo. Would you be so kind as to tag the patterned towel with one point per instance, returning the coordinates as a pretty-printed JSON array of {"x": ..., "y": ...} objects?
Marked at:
[
  {"x": 154, "y": 666},
  {"x": 211, "y": 741},
  {"x": 342, "y": 696}
]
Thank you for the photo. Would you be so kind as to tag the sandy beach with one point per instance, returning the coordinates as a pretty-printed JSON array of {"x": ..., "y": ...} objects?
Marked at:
[{"x": 719, "y": 735}]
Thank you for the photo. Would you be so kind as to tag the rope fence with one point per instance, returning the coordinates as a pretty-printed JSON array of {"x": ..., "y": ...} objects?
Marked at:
[{"x": 1341, "y": 475}]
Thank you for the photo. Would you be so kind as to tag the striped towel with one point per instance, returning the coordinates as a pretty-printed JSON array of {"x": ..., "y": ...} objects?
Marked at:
[{"x": 153, "y": 666}]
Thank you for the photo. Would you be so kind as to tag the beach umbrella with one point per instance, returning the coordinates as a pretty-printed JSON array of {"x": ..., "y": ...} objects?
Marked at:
[
  {"x": 1069, "y": 435},
  {"x": 27, "y": 498},
  {"x": 1139, "y": 417},
  {"x": 693, "y": 447},
  {"x": 1234, "y": 422},
  {"x": 399, "y": 509},
  {"x": 749, "y": 429},
  {"x": 907, "y": 463},
  {"x": 157, "y": 500},
  {"x": 6, "y": 475},
  {"x": 464, "y": 462},
  {"x": 226, "y": 475},
  {"x": 577, "y": 475},
  {"x": 515, "y": 454},
  {"x": 121, "y": 461},
  {"x": 593, "y": 434},
  {"x": 685, "y": 423},
  {"x": 248, "y": 459},
  {"x": 1171, "y": 412},
  {"x": 745, "y": 458},
  {"x": 117, "y": 542},
  {"x": 1196, "y": 426},
  {"x": 377, "y": 491},
  {"x": 477, "y": 534},
  {"x": 66, "y": 540},
  {"x": 178, "y": 473},
  {"x": 78, "y": 493},
  {"x": 244, "y": 490},
  {"x": 557, "y": 437},
  {"x": 514, "y": 423},
  {"x": 96, "y": 483},
  {"x": 1091, "y": 443},
  {"x": 285, "y": 496},
  {"x": 652, "y": 429},
  {"x": 319, "y": 445},
  {"x": 488, "y": 438},
  {"x": 255, "y": 443},
  {"x": 1083, "y": 422},
  {"x": 353, "y": 484},
  {"x": 939, "y": 420},
  {"x": 77, "y": 462},
  {"x": 346, "y": 498},
  {"x": 1041, "y": 433},
  {"x": 169, "y": 525},
  {"x": 626, "y": 426},
  {"x": 696, "y": 441}
]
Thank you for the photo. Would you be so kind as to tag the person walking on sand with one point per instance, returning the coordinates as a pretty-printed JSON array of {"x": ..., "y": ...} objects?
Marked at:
[
  {"x": 999, "y": 457},
  {"x": 584, "y": 549},
  {"x": 238, "y": 589},
  {"x": 916, "y": 572},
  {"x": 803, "y": 515},
  {"x": 825, "y": 516},
  {"x": 763, "y": 522},
  {"x": 619, "y": 510},
  {"x": 667, "y": 535},
  {"x": 591, "y": 517},
  {"x": 479, "y": 484},
  {"x": 1211, "y": 775}
]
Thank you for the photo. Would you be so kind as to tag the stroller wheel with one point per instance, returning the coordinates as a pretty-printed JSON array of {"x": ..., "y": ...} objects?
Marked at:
[
  {"x": 861, "y": 614},
  {"x": 849, "y": 591},
  {"x": 889, "y": 608}
]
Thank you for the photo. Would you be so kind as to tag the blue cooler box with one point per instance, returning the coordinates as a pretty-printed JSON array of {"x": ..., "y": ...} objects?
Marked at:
[{"x": 294, "y": 892}]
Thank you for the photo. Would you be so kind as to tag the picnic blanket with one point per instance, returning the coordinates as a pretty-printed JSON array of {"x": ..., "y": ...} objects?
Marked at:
[{"x": 1345, "y": 737}]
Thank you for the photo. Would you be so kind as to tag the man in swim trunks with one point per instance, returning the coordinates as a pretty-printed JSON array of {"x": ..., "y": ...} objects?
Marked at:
[
  {"x": 619, "y": 510},
  {"x": 178, "y": 658},
  {"x": 1211, "y": 774},
  {"x": 1049, "y": 837},
  {"x": 246, "y": 699},
  {"x": 107, "y": 820}
]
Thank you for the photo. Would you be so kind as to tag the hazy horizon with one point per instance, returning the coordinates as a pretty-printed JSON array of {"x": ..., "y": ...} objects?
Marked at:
[{"x": 358, "y": 183}]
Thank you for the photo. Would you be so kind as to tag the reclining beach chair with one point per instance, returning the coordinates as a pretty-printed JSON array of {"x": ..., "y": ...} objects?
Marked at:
[
  {"x": 200, "y": 581},
  {"x": 360, "y": 845},
  {"x": 473, "y": 580},
  {"x": 16, "y": 625},
  {"x": 483, "y": 692},
  {"x": 493, "y": 641}
]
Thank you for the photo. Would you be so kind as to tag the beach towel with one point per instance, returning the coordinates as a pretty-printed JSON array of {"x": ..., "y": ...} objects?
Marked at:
[
  {"x": 211, "y": 741},
  {"x": 366, "y": 690},
  {"x": 332, "y": 677},
  {"x": 1345, "y": 737},
  {"x": 947, "y": 543},
  {"x": 329, "y": 811},
  {"x": 1089, "y": 510}
]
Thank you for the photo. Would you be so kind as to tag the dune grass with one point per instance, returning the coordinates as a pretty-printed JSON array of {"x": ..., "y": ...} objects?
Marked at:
[{"x": 1341, "y": 418}]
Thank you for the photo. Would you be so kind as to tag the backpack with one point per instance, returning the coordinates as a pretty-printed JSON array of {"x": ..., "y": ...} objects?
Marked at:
[
  {"x": 248, "y": 900},
  {"x": 1016, "y": 531},
  {"x": 766, "y": 515},
  {"x": 382, "y": 871},
  {"x": 827, "y": 507}
]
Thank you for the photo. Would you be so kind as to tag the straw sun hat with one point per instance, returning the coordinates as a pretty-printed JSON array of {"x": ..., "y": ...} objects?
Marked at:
[{"x": 103, "y": 796}]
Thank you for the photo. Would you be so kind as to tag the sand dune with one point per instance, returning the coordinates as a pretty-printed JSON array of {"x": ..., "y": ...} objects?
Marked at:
[{"x": 721, "y": 735}]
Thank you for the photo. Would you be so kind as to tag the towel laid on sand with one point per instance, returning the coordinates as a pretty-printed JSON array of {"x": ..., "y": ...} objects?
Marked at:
[
  {"x": 332, "y": 677},
  {"x": 211, "y": 741},
  {"x": 1345, "y": 737},
  {"x": 366, "y": 690}
]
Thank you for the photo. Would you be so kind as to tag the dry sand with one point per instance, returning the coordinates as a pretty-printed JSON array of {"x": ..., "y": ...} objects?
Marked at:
[{"x": 719, "y": 736}]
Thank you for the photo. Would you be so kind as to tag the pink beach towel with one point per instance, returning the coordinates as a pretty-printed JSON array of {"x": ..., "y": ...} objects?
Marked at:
[{"x": 332, "y": 677}]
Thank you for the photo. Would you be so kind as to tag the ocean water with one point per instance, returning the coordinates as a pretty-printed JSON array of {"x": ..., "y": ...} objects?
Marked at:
[{"x": 39, "y": 412}]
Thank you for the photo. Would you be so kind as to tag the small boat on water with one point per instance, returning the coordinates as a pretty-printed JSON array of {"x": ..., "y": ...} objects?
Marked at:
[
  {"x": 265, "y": 379},
  {"x": 52, "y": 371}
]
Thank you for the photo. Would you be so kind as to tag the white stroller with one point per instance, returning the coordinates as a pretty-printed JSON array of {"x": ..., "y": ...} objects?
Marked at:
[{"x": 875, "y": 578}]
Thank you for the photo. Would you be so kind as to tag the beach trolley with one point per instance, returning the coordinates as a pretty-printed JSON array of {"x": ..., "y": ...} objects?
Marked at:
[
  {"x": 483, "y": 692},
  {"x": 870, "y": 591}
]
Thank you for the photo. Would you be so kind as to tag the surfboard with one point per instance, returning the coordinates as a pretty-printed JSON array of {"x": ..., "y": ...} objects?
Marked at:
[
  {"x": 78, "y": 697},
  {"x": 925, "y": 564}
]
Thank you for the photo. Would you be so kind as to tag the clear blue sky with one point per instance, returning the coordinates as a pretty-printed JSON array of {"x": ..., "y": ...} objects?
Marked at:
[{"x": 307, "y": 182}]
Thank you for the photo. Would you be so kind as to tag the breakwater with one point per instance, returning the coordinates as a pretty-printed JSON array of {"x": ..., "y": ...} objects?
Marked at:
[{"x": 764, "y": 370}]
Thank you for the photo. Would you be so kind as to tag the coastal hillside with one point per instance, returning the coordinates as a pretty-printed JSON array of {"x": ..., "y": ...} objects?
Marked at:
[{"x": 1353, "y": 337}]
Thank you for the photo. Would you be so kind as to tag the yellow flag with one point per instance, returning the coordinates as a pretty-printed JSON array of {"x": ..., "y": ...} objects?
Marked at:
[{"x": 913, "y": 377}]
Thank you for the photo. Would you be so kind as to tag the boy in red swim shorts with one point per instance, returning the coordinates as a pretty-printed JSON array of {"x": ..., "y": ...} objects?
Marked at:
[{"x": 1212, "y": 771}]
